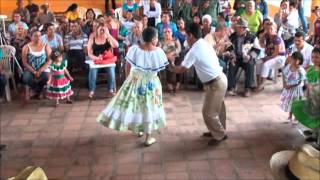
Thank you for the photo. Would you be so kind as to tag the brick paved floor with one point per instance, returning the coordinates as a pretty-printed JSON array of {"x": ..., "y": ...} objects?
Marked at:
[{"x": 69, "y": 144}]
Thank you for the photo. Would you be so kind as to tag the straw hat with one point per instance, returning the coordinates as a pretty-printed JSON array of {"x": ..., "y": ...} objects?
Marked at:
[
  {"x": 302, "y": 164},
  {"x": 31, "y": 173}
]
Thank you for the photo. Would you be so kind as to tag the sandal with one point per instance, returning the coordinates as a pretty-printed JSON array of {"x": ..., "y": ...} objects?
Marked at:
[
  {"x": 150, "y": 141},
  {"x": 69, "y": 102}
]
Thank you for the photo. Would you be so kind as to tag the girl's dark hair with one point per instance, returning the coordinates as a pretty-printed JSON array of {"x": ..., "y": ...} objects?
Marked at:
[
  {"x": 149, "y": 33},
  {"x": 72, "y": 7},
  {"x": 94, "y": 14},
  {"x": 316, "y": 50},
  {"x": 55, "y": 54},
  {"x": 46, "y": 26},
  {"x": 297, "y": 56}
]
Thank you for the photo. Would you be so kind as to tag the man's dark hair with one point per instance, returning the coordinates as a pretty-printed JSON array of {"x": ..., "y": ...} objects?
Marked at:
[
  {"x": 316, "y": 50},
  {"x": 149, "y": 33},
  {"x": 46, "y": 26},
  {"x": 297, "y": 56},
  {"x": 166, "y": 13},
  {"x": 300, "y": 34},
  {"x": 195, "y": 30}
]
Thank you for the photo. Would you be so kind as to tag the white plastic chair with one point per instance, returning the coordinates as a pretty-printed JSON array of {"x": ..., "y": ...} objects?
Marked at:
[
  {"x": 8, "y": 63},
  {"x": 97, "y": 11},
  {"x": 118, "y": 14}
]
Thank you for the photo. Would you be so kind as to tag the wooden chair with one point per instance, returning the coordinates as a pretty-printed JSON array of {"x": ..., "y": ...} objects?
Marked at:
[{"x": 8, "y": 64}]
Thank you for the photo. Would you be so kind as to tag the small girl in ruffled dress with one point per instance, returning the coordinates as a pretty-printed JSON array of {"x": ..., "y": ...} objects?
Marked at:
[
  {"x": 59, "y": 80},
  {"x": 293, "y": 81}
]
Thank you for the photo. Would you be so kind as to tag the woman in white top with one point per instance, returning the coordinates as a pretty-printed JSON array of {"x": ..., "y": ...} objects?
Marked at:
[
  {"x": 153, "y": 12},
  {"x": 138, "y": 104}
]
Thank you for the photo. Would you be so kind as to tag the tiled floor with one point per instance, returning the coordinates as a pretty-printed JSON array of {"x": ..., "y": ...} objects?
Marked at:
[{"x": 69, "y": 144}]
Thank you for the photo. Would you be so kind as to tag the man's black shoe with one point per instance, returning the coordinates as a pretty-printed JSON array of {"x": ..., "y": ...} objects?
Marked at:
[{"x": 214, "y": 142}]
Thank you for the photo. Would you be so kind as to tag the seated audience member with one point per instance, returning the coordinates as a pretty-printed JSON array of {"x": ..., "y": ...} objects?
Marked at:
[
  {"x": 72, "y": 13},
  {"x": 153, "y": 12},
  {"x": 303, "y": 47},
  {"x": 35, "y": 58},
  {"x": 102, "y": 42},
  {"x": 144, "y": 21},
  {"x": 135, "y": 37},
  {"x": 275, "y": 55},
  {"x": 18, "y": 40},
  {"x": 33, "y": 11},
  {"x": 171, "y": 45},
  {"x": 239, "y": 6},
  {"x": 63, "y": 27},
  {"x": 252, "y": 16},
  {"x": 45, "y": 15},
  {"x": 165, "y": 22},
  {"x": 206, "y": 25},
  {"x": 16, "y": 20},
  {"x": 316, "y": 28},
  {"x": 130, "y": 5},
  {"x": 51, "y": 38},
  {"x": 128, "y": 23},
  {"x": 196, "y": 18},
  {"x": 210, "y": 8},
  {"x": 225, "y": 7},
  {"x": 25, "y": 15},
  {"x": 75, "y": 45},
  {"x": 220, "y": 42},
  {"x": 95, "y": 24},
  {"x": 290, "y": 25},
  {"x": 242, "y": 40},
  {"x": 281, "y": 16},
  {"x": 181, "y": 33},
  {"x": 262, "y": 6},
  {"x": 88, "y": 21}
]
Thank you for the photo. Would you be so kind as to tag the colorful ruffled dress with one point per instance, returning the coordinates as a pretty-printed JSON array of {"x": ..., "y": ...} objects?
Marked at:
[
  {"x": 59, "y": 86},
  {"x": 308, "y": 111},
  {"x": 138, "y": 104},
  {"x": 289, "y": 95}
]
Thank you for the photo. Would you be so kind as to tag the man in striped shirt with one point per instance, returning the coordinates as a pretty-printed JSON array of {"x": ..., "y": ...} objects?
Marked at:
[{"x": 76, "y": 46}]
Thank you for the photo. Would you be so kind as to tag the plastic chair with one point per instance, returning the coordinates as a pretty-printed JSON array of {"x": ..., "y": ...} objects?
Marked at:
[
  {"x": 97, "y": 11},
  {"x": 8, "y": 64},
  {"x": 118, "y": 14}
]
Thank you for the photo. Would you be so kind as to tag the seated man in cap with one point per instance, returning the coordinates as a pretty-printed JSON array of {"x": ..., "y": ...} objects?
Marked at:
[{"x": 241, "y": 39}]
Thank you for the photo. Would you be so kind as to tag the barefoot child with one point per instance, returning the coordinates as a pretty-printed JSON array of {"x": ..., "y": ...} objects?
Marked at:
[{"x": 59, "y": 81}]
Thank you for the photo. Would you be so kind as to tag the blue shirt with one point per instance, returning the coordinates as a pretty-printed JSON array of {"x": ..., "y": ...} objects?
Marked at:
[
  {"x": 12, "y": 27},
  {"x": 132, "y": 8},
  {"x": 54, "y": 43},
  {"x": 160, "y": 26}
]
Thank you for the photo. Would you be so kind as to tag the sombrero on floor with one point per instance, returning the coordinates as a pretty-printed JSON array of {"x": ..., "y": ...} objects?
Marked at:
[
  {"x": 299, "y": 110},
  {"x": 302, "y": 164},
  {"x": 30, "y": 173}
]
